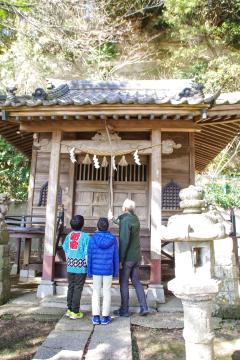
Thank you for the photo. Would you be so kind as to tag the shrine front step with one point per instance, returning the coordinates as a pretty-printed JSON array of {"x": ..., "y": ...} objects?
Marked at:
[
  {"x": 60, "y": 301},
  {"x": 153, "y": 302},
  {"x": 61, "y": 272}
]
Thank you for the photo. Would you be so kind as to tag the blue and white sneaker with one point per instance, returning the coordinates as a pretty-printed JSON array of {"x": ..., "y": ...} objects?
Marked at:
[
  {"x": 96, "y": 320},
  {"x": 106, "y": 320}
]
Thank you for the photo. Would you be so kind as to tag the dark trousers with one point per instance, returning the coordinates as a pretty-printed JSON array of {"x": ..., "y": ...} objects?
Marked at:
[
  {"x": 130, "y": 269},
  {"x": 75, "y": 287}
]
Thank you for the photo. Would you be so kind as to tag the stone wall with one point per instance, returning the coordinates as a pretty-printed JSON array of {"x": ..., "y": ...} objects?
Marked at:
[{"x": 226, "y": 270}]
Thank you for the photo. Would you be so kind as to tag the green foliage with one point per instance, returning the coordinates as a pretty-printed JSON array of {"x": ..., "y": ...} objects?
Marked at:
[
  {"x": 14, "y": 172},
  {"x": 221, "y": 72},
  {"x": 194, "y": 71},
  {"x": 208, "y": 34},
  {"x": 10, "y": 12},
  {"x": 230, "y": 32},
  {"x": 108, "y": 50},
  {"x": 109, "y": 39},
  {"x": 226, "y": 196}
]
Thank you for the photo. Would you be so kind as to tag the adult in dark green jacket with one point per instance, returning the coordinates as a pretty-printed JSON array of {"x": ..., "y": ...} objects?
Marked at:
[{"x": 129, "y": 255}]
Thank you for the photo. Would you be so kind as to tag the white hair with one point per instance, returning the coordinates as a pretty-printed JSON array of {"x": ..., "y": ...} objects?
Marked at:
[{"x": 129, "y": 204}]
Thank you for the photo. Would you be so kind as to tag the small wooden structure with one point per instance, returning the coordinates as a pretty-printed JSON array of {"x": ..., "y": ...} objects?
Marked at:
[{"x": 173, "y": 125}]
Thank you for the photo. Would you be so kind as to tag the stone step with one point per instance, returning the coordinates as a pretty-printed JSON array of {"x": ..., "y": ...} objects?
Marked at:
[
  {"x": 67, "y": 340},
  {"x": 88, "y": 282},
  {"x": 59, "y": 300},
  {"x": 111, "y": 342},
  {"x": 154, "y": 295},
  {"x": 61, "y": 272}
]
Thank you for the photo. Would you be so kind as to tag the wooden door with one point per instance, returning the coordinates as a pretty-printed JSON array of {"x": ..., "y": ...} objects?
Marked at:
[{"x": 92, "y": 192}]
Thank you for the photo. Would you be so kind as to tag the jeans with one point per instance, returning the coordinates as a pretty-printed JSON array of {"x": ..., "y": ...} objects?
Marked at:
[
  {"x": 75, "y": 287},
  {"x": 105, "y": 283},
  {"x": 130, "y": 270}
]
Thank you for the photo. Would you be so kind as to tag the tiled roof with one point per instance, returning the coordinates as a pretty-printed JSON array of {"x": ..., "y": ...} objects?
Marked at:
[
  {"x": 228, "y": 98},
  {"x": 77, "y": 92}
]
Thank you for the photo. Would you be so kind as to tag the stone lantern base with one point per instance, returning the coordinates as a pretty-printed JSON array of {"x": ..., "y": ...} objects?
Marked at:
[{"x": 197, "y": 299}]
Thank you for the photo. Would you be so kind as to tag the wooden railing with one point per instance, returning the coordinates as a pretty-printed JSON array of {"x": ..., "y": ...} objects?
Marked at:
[
  {"x": 28, "y": 227},
  {"x": 32, "y": 223}
]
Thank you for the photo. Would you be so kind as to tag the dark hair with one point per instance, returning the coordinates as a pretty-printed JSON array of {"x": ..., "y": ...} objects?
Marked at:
[
  {"x": 103, "y": 224},
  {"x": 77, "y": 222}
]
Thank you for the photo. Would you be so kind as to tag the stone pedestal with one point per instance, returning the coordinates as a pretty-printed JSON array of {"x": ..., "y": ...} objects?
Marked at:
[
  {"x": 26, "y": 275},
  {"x": 197, "y": 299},
  {"x": 46, "y": 288},
  {"x": 197, "y": 333},
  {"x": 155, "y": 295},
  {"x": 14, "y": 269}
]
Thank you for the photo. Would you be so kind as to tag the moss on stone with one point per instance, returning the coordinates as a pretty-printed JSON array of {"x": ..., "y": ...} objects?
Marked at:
[{"x": 229, "y": 312}]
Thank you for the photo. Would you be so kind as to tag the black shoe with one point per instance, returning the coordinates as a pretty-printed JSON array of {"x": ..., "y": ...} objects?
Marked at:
[
  {"x": 120, "y": 312},
  {"x": 143, "y": 312}
]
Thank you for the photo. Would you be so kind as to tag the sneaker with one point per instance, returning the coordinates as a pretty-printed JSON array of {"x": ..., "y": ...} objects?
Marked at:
[
  {"x": 120, "y": 312},
  {"x": 68, "y": 313},
  {"x": 75, "y": 316},
  {"x": 106, "y": 320},
  {"x": 143, "y": 311},
  {"x": 96, "y": 320}
]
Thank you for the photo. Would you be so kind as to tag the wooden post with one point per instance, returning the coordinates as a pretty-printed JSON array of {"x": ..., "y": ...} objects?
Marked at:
[
  {"x": 51, "y": 209},
  {"x": 191, "y": 159},
  {"x": 18, "y": 254},
  {"x": 27, "y": 252},
  {"x": 156, "y": 208}
]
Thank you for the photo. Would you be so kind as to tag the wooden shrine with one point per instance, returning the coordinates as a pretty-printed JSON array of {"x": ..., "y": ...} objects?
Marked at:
[{"x": 83, "y": 138}]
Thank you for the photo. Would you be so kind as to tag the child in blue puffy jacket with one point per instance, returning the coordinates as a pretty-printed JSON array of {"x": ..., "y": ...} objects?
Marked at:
[
  {"x": 103, "y": 265},
  {"x": 75, "y": 247}
]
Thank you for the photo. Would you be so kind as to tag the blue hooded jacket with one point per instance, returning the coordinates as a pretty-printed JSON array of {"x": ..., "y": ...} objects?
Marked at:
[{"x": 103, "y": 256}]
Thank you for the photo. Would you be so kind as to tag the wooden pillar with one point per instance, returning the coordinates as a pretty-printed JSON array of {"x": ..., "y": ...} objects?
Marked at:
[
  {"x": 191, "y": 159},
  {"x": 51, "y": 209},
  {"x": 156, "y": 208},
  {"x": 18, "y": 255}
]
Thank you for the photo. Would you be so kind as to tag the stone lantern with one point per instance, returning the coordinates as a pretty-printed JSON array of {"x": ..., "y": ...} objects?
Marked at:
[{"x": 193, "y": 233}]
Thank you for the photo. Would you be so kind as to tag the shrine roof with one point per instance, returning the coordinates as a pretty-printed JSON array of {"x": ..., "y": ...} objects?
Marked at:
[
  {"x": 87, "y": 92},
  {"x": 217, "y": 115}
]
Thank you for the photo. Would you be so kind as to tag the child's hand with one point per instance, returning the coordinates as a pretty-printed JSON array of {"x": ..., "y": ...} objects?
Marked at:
[{"x": 120, "y": 266}]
